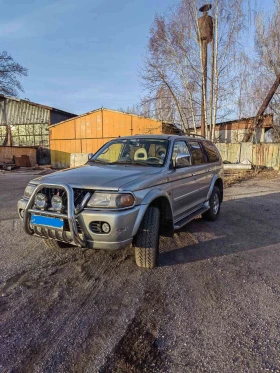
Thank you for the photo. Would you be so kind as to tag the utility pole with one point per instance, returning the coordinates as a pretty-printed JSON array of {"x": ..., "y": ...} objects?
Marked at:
[
  {"x": 204, "y": 85},
  {"x": 205, "y": 26}
]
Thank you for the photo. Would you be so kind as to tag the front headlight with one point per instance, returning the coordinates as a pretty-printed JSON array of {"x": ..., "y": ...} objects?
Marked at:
[
  {"x": 29, "y": 190},
  {"x": 111, "y": 200}
]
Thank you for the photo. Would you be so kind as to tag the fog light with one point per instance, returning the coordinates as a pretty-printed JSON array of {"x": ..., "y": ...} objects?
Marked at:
[
  {"x": 105, "y": 227},
  {"x": 41, "y": 201},
  {"x": 57, "y": 203}
]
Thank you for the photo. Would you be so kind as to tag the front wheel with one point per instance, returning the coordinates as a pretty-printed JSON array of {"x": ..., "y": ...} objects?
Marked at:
[
  {"x": 215, "y": 204},
  {"x": 147, "y": 239}
]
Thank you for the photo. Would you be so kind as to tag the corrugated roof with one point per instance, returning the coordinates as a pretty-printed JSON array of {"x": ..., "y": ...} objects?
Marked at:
[
  {"x": 245, "y": 119},
  {"x": 14, "y": 99},
  {"x": 21, "y": 112}
]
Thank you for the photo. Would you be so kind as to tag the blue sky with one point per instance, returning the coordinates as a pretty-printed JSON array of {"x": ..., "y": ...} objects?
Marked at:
[{"x": 81, "y": 55}]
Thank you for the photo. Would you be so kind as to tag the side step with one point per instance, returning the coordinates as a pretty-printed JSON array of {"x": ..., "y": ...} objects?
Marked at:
[{"x": 190, "y": 217}]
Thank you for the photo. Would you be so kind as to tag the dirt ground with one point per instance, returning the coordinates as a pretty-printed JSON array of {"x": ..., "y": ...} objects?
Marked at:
[
  {"x": 235, "y": 177},
  {"x": 213, "y": 304}
]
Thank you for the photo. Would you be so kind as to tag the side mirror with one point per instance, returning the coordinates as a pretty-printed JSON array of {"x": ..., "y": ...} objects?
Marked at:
[
  {"x": 183, "y": 160},
  {"x": 90, "y": 155}
]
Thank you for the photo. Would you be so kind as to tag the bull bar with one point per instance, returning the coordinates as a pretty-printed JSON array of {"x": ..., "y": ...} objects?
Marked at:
[{"x": 70, "y": 216}]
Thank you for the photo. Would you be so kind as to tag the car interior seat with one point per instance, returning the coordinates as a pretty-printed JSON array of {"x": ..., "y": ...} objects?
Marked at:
[
  {"x": 141, "y": 155},
  {"x": 161, "y": 152}
]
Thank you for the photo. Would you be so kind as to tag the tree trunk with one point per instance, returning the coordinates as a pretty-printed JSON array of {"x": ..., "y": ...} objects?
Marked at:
[{"x": 257, "y": 120}]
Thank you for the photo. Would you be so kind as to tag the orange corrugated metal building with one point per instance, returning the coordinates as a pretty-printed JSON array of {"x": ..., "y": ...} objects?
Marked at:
[{"x": 88, "y": 132}]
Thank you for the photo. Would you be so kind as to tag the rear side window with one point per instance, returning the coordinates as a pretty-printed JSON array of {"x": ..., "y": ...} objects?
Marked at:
[
  {"x": 198, "y": 155},
  {"x": 212, "y": 152}
]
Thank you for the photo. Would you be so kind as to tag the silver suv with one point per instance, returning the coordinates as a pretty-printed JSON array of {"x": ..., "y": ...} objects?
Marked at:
[{"x": 130, "y": 191}]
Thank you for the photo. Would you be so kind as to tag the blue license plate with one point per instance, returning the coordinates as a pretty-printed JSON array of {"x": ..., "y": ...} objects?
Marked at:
[{"x": 47, "y": 221}]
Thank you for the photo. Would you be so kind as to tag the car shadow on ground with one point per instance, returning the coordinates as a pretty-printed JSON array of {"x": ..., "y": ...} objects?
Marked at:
[{"x": 244, "y": 224}]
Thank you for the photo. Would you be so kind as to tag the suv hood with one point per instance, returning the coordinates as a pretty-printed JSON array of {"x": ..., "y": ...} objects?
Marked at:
[{"x": 109, "y": 177}]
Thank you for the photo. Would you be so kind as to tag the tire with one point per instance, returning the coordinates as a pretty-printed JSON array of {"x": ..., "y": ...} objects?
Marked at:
[
  {"x": 213, "y": 213},
  {"x": 55, "y": 245},
  {"x": 147, "y": 239}
]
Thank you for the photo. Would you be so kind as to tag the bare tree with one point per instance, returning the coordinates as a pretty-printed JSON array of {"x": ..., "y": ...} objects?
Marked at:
[
  {"x": 164, "y": 106},
  {"x": 167, "y": 69},
  {"x": 134, "y": 109},
  {"x": 10, "y": 72},
  {"x": 267, "y": 41},
  {"x": 265, "y": 68},
  {"x": 174, "y": 61}
]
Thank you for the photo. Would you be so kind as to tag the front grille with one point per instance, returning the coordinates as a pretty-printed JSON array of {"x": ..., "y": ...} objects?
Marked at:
[
  {"x": 79, "y": 195},
  {"x": 67, "y": 228}
]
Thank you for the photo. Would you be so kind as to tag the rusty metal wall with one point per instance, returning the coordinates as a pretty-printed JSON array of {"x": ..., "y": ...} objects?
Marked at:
[
  {"x": 267, "y": 155},
  {"x": 87, "y": 133}
]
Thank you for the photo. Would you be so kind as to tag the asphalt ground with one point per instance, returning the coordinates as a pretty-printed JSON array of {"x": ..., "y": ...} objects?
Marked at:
[{"x": 211, "y": 306}]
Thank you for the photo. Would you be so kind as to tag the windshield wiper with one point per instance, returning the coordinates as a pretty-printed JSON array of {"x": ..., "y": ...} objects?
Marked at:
[
  {"x": 129, "y": 161},
  {"x": 98, "y": 161}
]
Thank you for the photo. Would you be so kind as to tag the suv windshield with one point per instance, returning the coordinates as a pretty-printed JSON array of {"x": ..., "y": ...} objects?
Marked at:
[{"x": 146, "y": 152}]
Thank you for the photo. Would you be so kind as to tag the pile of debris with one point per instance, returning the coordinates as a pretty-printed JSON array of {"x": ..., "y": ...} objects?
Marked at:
[
  {"x": 23, "y": 164},
  {"x": 22, "y": 161}
]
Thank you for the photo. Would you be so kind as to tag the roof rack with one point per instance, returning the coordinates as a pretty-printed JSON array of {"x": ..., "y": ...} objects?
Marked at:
[{"x": 196, "y": 135}]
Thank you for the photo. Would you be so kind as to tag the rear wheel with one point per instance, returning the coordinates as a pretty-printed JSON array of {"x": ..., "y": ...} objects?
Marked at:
[
  {"x": 55, "y": 245},
  {"x": 147, "y": 239},
  {"x": 215, "y": 204}
]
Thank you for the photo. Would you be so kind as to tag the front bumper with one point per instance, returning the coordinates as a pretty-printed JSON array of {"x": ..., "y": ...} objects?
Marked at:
[{"x": 122, "y": 223}]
